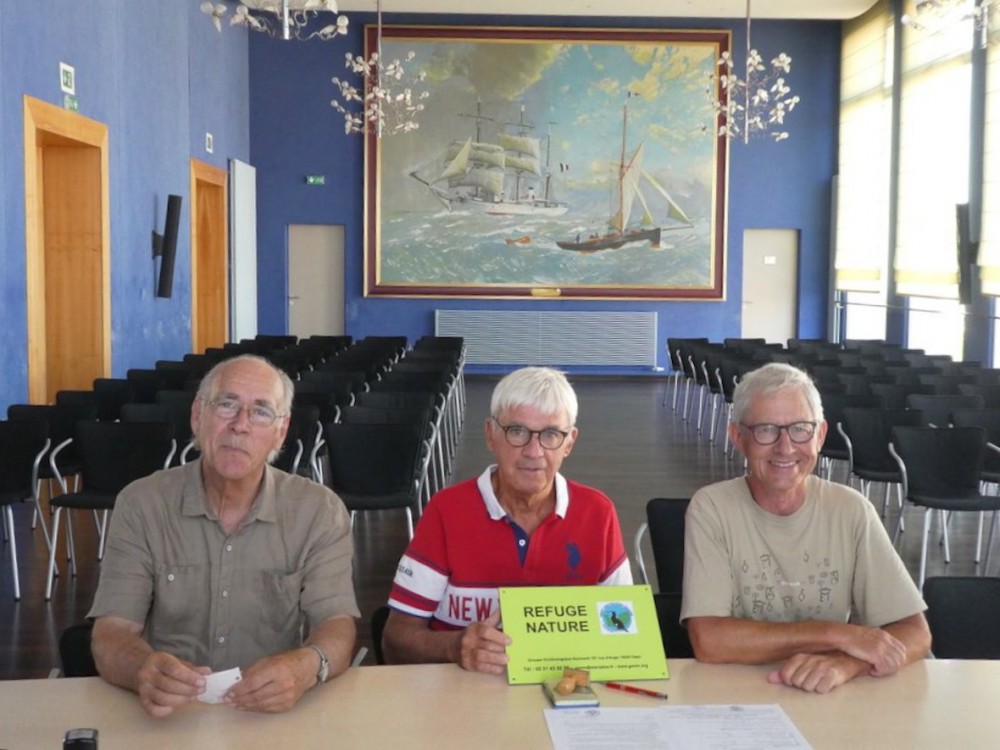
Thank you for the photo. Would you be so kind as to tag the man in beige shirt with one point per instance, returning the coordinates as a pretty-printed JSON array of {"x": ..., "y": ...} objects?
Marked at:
[
  {"x": 782, "y": 566},
  {"x": 226, "y": 561}
]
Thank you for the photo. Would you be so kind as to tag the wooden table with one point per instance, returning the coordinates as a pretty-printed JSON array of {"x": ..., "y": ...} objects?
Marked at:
[{"x": 932, "y": 704}]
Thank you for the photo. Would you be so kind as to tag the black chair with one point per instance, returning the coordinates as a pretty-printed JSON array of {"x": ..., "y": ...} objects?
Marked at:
[
  {"x": 963, "y": 613},
  {"x": 22, "y": 447},
  {"x": 834, "y": 446},
  {"x": 377, "y": 466},
  {"x": 111, "y": 394},
  {"x": 894, "y": 394},
  {"x": 676, "y": 642},
  {"x": 937, "y": 409},
  {"x": 941, "y": 471},
  {"x": 867, "y": 433},
  {"x": 379, "y": 618},
  {"x": 989, "y": 420},
  {"x": 112, "y": 455},
  {"x": 75, "y": 653},
  {"x": 665, "y": 525},
  {"x": 989, "y": 391},
  {"x": 145, "y": 384}
]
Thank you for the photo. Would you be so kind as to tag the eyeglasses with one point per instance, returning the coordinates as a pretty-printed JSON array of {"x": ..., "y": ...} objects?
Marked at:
[
  {"x": 519, "y": 436},
  {"x": 768, "y": 434},
  {"x": 259, "y": 415}
]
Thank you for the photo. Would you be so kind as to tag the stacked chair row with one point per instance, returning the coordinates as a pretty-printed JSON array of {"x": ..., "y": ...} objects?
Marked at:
[
  {"x": 89, "y": 444},
  {"x": 926, "y": 425}
]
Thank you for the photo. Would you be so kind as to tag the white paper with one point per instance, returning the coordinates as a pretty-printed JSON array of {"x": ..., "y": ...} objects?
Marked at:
[
  {"x": 745, "y": 727},
  {"x": 217, "y": 685}
]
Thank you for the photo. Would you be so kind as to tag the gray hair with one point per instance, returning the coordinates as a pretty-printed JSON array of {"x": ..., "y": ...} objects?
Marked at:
[
  {"x": 542, "y": 388},
  {"x": 769, "y": 379},
  {"x": 206, "y": 389}
]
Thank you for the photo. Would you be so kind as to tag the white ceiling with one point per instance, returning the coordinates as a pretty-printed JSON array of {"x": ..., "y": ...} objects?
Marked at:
[{"x": 819, "y": 9}]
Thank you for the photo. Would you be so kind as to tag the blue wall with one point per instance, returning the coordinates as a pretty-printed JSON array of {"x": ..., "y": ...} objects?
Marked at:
[
  {"x": 785, "y": 185},
  {"x": 158, "y": 75}
]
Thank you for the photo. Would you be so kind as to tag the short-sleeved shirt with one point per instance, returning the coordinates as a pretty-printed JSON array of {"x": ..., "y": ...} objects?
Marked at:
[
  {"x": 226, "y": 601},
  {"x": 830, "y": 560},
  {"x": 465, "y": 547}
]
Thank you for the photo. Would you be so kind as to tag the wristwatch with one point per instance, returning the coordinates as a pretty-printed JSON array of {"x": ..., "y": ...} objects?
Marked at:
[{"x": 324, "y": 665}]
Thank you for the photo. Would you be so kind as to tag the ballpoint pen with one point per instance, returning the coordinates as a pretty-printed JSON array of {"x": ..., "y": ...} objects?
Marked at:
[{"x": 636, "y": 690}]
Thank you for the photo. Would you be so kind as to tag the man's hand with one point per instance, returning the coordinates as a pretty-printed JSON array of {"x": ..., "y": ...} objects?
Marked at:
[
  {"x": 275, "y": 683},
  {"x": 481, "y": 647},
  {"x": 165, "y": 683},
  {"x": 884, "y": 652},
  {"x": 817, "y": 673}
]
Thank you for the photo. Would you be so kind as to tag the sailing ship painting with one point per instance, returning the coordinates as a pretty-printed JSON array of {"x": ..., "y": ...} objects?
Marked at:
[
  {"x": 630, "y": 175},
  {"x": 498, "y": 179},
  {"x": 551, "y": 167}
]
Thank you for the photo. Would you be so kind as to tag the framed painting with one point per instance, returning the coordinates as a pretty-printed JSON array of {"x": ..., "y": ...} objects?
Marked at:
[{"x": 568, "y": 163}]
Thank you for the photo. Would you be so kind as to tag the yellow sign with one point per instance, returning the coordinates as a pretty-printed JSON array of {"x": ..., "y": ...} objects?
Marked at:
[{"x": 611, "y": 631}]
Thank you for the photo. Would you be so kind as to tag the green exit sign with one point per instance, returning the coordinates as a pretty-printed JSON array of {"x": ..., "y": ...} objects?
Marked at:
[{"x": 315, "y": 179}]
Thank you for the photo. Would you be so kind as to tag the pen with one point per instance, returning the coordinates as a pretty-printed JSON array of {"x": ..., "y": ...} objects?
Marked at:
[{"x": 636, "y": 690}]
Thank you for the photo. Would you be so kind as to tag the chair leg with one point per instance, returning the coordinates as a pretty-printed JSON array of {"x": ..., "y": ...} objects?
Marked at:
[
  {"x": 979, "y": 535},
  {"x": 989, "y": 542},
  {"x": 945, "y": 518},
  {"x": 409, "y": 523},
  {"x": 923, "y": 549},
  {"x": 51, "y": 574},
  {"x": 70, "y": 544},
  {"x": 104, "y": 535},
  {"x": 9, "y": 528}
]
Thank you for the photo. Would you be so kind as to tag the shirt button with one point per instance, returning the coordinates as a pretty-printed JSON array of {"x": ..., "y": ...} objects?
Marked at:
[
  {"x": 521, "y": 542},
  {"x": 222, "y": 639},
  {"x": 225, "y": 594},
  {"x": 170, "y": 576},
  {"x": 229, "y": 548}
]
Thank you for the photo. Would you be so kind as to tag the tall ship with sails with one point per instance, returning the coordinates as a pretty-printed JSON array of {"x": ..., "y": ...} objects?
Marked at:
[
  {"x": 501, "y": 178},
  {"x": 630, "y": 179}
]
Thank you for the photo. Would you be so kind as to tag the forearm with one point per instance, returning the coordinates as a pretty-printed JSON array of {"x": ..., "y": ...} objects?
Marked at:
[
  {"x": 914, "y": 633},
  {"x": 735, "y": 640},
  {"x": 408, "y": 640},
  {"x": 335, "y": 637},
  {"x": 119, "y": 651}
]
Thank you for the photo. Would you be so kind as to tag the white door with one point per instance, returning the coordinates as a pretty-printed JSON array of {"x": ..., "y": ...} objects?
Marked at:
[
  {"x": 315, "y": 280},
  {"x": 242, "y": 251},
  {"x": 770, "y": 284}
]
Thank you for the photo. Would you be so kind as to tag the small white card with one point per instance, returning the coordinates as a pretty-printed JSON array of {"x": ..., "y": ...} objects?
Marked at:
[{"x": 217, "y": 685}]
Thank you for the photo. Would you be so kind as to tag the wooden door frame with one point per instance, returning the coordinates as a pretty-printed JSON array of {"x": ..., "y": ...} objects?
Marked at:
[
  {"x": 46, "y": 123},
  {"x": 202, "y": 173}
]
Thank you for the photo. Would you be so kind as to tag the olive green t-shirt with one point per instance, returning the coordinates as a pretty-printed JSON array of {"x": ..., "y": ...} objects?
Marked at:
[{"x": 830, "y": 560}]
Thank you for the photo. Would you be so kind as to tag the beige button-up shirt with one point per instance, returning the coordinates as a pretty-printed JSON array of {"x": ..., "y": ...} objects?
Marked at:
[{"x": 226, "y": 601}]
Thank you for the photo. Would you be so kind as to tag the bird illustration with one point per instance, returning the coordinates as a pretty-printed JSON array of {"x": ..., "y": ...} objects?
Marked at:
[{"x": 616, "y": 621}]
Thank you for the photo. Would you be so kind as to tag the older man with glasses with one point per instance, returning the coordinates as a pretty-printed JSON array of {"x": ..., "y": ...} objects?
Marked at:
[
  {"x": 783, "y": 566},
  {"x": 520, "y": 523},
  {"x": 227, "y": 562}
]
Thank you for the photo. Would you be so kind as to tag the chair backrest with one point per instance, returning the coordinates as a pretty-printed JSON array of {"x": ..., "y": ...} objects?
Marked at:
[
  {"x": 676, "y": 642},
  {"x": 894, "y": 394},
  {"x": 21, "y": 444},
  {"x": 937, "y": 409},
  {"x": 373, "y": 459},
  {"x": 963, "y": 613},
  {"x": 988, "y": 419},
  {"x": 74, "y": 651},
  {"x": 941, "y": 462},
  {"x": 870, "y": 431},
  {"x": 111, "y": 394},
  {"x": 396, "y": 399},
  {"x": 665, "y": 516},
  {"x": 145, "y": 384},
  {"x": 834, "y": 405},
  {"x": 989, "y": 391},
  {"x": 113, "y": 454}
]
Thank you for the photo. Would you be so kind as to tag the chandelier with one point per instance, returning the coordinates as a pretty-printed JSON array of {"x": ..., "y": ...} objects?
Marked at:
[
  {"x": 755, "y": 104},
  {"x": 937, "y": 15},
  {"x": 288, "y": 19},
  {"x": 384, "y": 101}
]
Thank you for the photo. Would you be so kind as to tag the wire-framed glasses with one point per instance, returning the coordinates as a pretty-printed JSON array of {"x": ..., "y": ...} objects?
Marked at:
[
  {"x": 259, "y": 415},
  {"x": 518, "y": 436},
  {"x": 768, "y": 434}
]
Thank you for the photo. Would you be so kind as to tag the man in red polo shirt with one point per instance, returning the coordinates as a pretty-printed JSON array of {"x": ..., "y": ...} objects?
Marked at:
[{"x": 520, "y": 523}]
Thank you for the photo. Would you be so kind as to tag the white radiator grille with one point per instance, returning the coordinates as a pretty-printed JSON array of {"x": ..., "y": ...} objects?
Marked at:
[{"x": 494, "y": 337}]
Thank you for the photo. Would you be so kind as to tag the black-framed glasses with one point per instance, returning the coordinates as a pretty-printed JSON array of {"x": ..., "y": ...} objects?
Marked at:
[
  {"x": 518, "y": 436},
  {"x": 768, "y": 434},
  {"x": 259, "y": 415}
]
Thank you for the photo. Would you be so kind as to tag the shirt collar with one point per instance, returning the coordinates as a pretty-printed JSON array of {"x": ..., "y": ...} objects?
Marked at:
[
  {"x": 194, "y": 502},
  {"x": 496, "y": 510}
]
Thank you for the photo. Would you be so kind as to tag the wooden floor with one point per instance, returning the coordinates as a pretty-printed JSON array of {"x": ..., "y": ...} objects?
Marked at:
[{"x": 631, "y": 446}]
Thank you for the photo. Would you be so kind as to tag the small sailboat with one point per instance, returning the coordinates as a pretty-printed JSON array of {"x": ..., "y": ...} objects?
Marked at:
[{"x": 630, "y": 179}]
